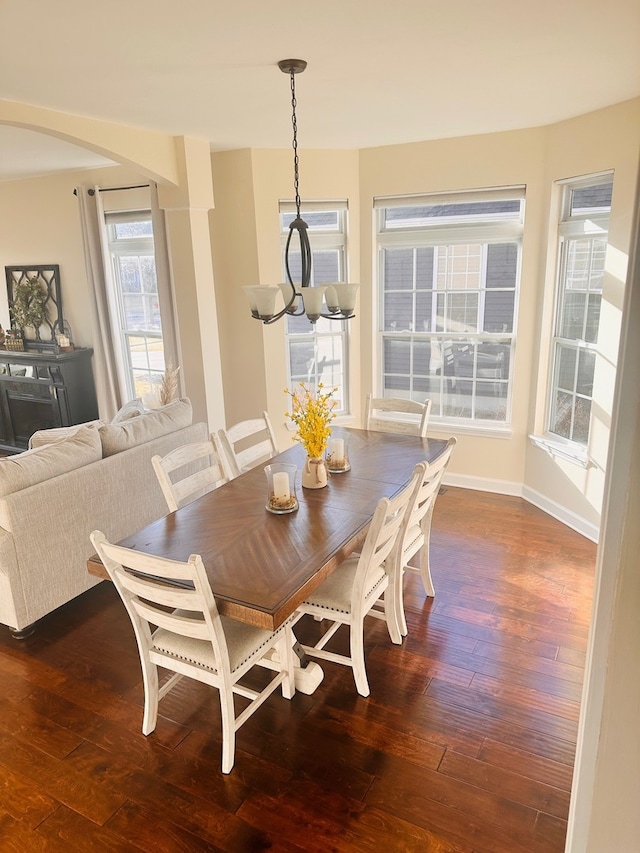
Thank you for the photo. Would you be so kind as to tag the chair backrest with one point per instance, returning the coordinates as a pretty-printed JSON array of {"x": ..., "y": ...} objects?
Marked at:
[
  {"x": 168, "y": 594},
  {"x": 377, "y": 406},
  {"x": 426, "y": 484},
  {"x": 248, "y": 443},
  {"x": 190, "y": 471},
  {"x": 381, "y": 538}
]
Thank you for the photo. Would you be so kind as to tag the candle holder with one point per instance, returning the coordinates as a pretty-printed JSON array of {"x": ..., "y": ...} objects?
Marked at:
[
  {"x": 337, "y": 455},
  {"x": 281, "y": 496}
]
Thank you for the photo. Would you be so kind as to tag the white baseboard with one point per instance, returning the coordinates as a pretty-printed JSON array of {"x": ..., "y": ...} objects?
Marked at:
[
  {"x": 566, "y": 516},
  {"x": 480, "y": 484},
  {"x": 507, "y": 487}
]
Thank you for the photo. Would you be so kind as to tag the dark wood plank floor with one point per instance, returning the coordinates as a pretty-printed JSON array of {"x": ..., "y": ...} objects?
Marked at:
[{"x": 465, "y": 745}]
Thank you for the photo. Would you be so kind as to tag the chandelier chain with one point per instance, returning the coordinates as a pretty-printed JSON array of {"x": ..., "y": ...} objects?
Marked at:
[{"x": 296, "y": 161}]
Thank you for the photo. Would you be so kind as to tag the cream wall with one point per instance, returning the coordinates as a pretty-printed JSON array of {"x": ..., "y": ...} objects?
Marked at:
[
  {"x": 234, "y": 244},
  {"x": 604, "y": 814},
  {"x": 607, "y": 139},
  {"x": 40, "y": 224}
]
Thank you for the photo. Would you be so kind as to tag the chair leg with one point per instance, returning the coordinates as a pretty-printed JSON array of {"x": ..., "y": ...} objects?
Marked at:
[
  {"x": 150, "y": 681},
  {"x": 391, "y": 613},
  {"x": 228, "y": 727},
  {"x": 425, "y": 569},
  {"x": 357, "y": 658},
  {"x": 398, "y": 601}
]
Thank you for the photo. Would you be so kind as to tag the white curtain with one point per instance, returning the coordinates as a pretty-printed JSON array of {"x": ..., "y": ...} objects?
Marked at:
[
  {"x": 105, "y": 355},
  {"x": 166, "y": 295}
]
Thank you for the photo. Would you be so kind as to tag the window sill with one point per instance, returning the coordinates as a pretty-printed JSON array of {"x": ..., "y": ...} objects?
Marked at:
[
  {"x": 340, "y": 420},
  {"x": 452, "y": 427},
  {"x": 570, "y": 452}
]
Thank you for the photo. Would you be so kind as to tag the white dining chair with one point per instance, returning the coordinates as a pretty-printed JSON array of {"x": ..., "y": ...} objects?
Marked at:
[
  {"x": 360, "y": 586},
  {"x": 381, "y": 413},
  {"x": 178, "y": 627},
  {"x": 247, "y": 444},
  {"x": 190, "y": 471},
  {"x": 415, "y": 532}
]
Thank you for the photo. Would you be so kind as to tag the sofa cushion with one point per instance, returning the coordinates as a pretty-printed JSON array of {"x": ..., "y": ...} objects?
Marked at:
[
  {"x": 57, "y": 434},
  {"x": 43, "y": 463},
  {"x": 139, "y": 430}
]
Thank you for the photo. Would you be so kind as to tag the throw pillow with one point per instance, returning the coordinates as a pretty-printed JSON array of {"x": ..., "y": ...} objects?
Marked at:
[
  {"x": 130, "y": 433},
  {"x": 43, "y": 463},
  {"x": 131, "y": 409},
  {"x": 57, "y": 434}
]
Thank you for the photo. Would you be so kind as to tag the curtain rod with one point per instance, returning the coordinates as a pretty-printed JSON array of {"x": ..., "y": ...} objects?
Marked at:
[{"x": 114, "y": 189}]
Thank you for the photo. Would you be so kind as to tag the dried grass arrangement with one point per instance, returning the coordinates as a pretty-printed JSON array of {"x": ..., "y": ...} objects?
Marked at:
[{"x": 169, "y": 385}]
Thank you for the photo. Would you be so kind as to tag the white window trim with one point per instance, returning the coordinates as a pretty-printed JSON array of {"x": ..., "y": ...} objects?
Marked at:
[
  {"x": 327, "y": 240},
  {"x": 588, "y": 224},
  {"x": 124, "y": 247},
  {"x": 506, "y": 231}
]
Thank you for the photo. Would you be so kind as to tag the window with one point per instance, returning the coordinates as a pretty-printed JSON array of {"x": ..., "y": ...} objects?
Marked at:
[
  {"x": 448, "y": 273},
  {"x": 582, "y": 238},
  {"x": 318, "y": 352},
  {"x": 135, "y": 306}
]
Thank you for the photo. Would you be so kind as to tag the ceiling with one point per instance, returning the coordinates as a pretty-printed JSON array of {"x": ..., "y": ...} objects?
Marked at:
[{"x": 379, "y": 73}]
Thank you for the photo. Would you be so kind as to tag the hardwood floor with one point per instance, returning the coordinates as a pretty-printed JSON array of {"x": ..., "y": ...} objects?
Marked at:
[{"x": 465, "y": 745}]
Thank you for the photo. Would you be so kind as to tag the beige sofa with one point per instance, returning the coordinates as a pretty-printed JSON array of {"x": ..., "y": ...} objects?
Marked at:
[{"x": 52, "y": 497}]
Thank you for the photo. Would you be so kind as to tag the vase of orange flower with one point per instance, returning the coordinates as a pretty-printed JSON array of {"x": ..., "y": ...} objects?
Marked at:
[{"x": 312, "y": 413}]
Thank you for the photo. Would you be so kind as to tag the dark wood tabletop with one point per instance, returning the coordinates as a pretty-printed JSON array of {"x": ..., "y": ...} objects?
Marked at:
[{"x": 262, "y": 566}]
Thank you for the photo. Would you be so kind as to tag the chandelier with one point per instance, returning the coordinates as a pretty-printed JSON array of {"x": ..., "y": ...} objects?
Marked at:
[{"x": 332, "y": 301}]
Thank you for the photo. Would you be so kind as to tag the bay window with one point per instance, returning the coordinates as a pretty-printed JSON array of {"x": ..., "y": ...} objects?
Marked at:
[
  {"x": 582, "y": 245},
  {"x": 448, "y": 274}
]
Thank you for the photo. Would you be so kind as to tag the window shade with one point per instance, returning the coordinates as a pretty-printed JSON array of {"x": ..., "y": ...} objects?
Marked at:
[
  {"x": 290, "y": 206},
  {"x": 419, "y": 199}
]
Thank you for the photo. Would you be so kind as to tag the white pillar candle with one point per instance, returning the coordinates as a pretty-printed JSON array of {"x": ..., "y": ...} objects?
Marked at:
[
  {"x": 281, "y": 486},
  {"x": 336, "y": 448}
]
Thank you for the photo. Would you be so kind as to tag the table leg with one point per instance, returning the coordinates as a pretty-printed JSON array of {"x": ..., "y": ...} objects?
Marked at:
[{"x": 307, "y": 673}]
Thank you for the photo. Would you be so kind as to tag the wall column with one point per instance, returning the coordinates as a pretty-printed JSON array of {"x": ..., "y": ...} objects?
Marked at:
[
  {"x": 604, "y": 812},
  {"x": 187, "y": 216}
]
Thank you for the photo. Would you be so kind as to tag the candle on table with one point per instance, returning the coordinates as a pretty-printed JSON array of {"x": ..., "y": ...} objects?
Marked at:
[
  {"x": 281, "y": 486},
  {"x": 336, "y": 448},
  {"x": 63, "y": 341}
]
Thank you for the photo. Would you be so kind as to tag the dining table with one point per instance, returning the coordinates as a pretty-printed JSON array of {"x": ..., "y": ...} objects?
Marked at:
[{"x": 262, "y": 566}]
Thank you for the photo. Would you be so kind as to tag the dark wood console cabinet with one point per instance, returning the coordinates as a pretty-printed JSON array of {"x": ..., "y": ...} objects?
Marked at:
[{"x": 41, "y": 390}]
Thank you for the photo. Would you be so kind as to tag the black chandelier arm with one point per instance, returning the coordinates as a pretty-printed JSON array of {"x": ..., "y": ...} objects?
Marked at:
[
  {"x": 274, "y": 318},
  {"x": 292, "y": 298},
  {"x": 284, "y": 311},
  {"x": 338, "y": 315},
  {"x": 300, "y": 226}
]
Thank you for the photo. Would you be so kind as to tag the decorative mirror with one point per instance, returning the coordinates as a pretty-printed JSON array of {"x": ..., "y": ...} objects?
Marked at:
[{"x": 35, "y": 304}]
